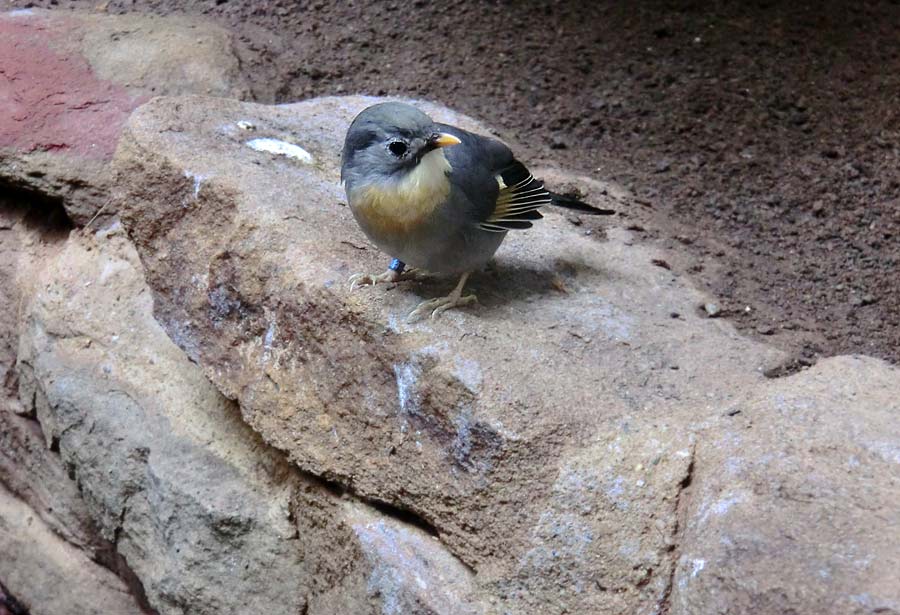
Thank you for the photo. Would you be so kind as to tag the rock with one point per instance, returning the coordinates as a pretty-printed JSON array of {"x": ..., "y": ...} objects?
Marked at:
[
  {"x": 46, "y": 532},
  {"x": 406, "y": 571},
  {"x": 520, "y": 456},
  {"x": 9, "y": 605},
  {"x": 30, "y": 236},
  {"x": 300, "y": 448},
  {"x": 75, "y": 77},
  {"x": 208, "y": 517},
  {"x": 793, "y": 506},
  {"x": 712, "y": 310},
  {"x": 50, "y": 576},
  {"x": 129, "y": 414}
]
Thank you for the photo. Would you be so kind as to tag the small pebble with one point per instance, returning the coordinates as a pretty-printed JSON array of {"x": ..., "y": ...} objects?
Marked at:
[{"x": 712, "y": 310}]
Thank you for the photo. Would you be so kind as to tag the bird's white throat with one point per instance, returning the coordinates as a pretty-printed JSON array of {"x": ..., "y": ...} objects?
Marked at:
[{"x": 427, "y": 180}]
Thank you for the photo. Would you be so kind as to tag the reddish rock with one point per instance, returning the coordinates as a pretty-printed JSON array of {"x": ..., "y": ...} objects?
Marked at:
[
  {"x": 55, "y": 101},
  {"x": 68, "y": 82}
]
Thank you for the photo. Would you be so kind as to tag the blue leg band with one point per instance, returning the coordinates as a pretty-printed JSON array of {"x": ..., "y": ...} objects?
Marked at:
[{"x": 397, "y": 265}]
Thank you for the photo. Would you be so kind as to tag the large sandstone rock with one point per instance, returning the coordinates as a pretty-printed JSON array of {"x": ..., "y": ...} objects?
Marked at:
[
  {"x": 793, "y": 506},
  {"x": 71, "y": 80},
  {"x": 490, "y": 425},
  {"x": 208, "y": 517},
  {"x": 57, "y": 577},
  {"x": 554, "y": 436},
  {"x": 29, "y": 237},
  {"x": 566, "y": 446}
]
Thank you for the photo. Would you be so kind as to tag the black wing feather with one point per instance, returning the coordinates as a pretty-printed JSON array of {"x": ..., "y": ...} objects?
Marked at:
[{"x": 502, "y": 192}]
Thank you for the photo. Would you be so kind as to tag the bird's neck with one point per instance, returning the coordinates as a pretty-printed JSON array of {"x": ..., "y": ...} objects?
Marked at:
[{"x": 398, "y": 205}]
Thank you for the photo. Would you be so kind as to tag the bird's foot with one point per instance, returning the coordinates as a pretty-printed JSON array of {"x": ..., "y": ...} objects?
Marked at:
[
  {"x": 390, "y": 276},
  {"x": 438, "y": 306}
]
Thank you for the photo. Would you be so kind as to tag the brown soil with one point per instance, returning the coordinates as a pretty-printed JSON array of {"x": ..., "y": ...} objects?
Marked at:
[{"x": 764, "y": 136}]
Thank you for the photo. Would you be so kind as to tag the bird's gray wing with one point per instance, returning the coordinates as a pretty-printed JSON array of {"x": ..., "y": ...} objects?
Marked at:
[{"x": 502, "y": 193}]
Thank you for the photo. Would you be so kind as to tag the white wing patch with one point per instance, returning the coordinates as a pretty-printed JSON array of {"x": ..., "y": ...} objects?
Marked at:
[{"x": 516, "y": 205}]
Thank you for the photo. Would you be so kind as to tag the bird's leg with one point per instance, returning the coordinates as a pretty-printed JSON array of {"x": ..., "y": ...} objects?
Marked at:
[
  {"x": 440, "y": 305},
  {"x": 394, "y": 273}
]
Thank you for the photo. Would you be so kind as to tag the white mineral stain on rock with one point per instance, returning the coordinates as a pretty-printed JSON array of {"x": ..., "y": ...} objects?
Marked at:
[
  {"x": 604, "y": 319},
  {"x": 270, "y": 336},
  {"x": 198, "y": 183},
  {"x": 468, "y": 372},
  {"x": 382, "y": 547},
  {"x": 200, "y": 281},
  {"x": 697, "y": 565},
  {"x": 111, "y": 268},
  {"x": 615, "y": 492},
  {"x": 721, "y": 506},
  {"x": 393, "y": 323},
  {"x": 280, "y": 148},
  {"x": 577, "y": 487},
  {"x": 407, "y": 375},
  {"x": 888, "y": 451},
  {"x": 108, "y": 231},
  {"x": 409, "y": 567}
]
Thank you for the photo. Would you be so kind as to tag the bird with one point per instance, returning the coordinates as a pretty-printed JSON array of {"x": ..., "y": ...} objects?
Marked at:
[{"x": 435, "y": 197}]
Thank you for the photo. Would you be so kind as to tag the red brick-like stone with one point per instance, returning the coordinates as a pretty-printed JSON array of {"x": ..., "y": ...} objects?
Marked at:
[{"x": 50, "y": 98}]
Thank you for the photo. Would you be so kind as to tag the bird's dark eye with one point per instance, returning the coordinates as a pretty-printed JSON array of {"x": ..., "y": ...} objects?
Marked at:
[{"x": 398, "y": 148}]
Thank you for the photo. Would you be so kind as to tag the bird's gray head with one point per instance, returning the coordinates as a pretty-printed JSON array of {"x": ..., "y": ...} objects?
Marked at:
[{"x": 388, "y": 140}]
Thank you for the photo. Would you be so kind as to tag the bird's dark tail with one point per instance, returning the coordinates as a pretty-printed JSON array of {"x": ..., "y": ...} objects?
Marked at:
[{"x": 561, "y": 200}]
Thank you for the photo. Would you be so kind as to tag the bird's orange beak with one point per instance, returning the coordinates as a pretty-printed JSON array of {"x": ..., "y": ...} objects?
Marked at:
[{"x": 443, "y": 139}]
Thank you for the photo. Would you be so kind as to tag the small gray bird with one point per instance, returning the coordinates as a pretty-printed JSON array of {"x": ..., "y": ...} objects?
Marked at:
[{"x": 435, "y": 207}]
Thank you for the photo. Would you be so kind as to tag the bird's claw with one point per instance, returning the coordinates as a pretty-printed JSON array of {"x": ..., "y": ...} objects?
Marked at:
[
  {"x": 440, "y": 305},
  {"x": 358, "y": 280}
]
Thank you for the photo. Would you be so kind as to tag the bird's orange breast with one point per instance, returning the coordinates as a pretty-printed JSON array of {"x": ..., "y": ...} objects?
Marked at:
[{"x": 398, "y": 208}]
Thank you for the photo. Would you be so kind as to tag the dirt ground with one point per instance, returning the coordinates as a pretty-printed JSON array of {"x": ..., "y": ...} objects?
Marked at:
[{"x": 763, "y": 136}]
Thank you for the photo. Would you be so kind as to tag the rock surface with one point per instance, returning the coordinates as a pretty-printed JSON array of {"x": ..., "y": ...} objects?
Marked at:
[
  {"x": 793, "y": 504},
  {"x": 71, "y": 80},
  {"x": 30, "y": 237},
  {"x": 208, "y": 517},
  {"x": 59, "y": 577},
  {"x": 584, "y": 440},
  {"x": 565, "y": 439}
]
